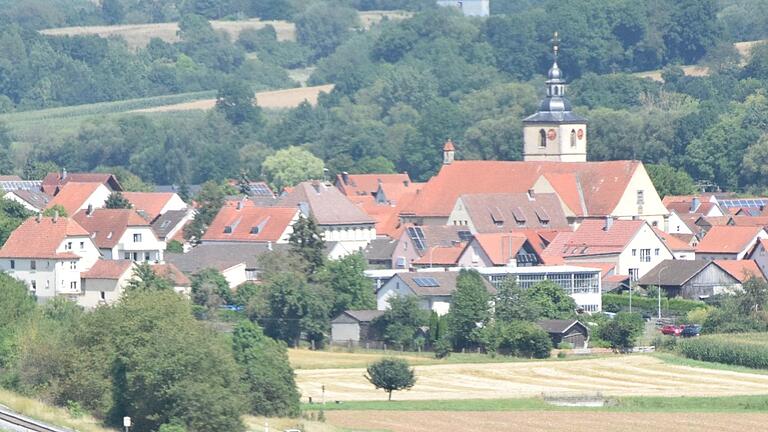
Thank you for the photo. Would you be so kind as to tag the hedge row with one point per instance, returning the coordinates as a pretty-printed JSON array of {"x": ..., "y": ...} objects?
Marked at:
[
  {"x": 726, "y": 349},
  {"x": 676, "y": 305}
]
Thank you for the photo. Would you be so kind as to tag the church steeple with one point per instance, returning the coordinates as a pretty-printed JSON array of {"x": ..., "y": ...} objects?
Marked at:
[{"x": 555, "y": 133}]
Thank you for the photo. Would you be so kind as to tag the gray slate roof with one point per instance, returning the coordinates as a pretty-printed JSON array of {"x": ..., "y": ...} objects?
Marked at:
[
  {"x": 220, "y": 256},
  {"x": 362, "y": 315},
  {"x": 559, "y": 326},
  {"x": 380, "y": 249},
  {"x": 445, "y": 279},
  {"x": 35, "y": 198},
  {"x": 673, "y": 272},
  {"x": 167, "y": 221},
  {"x": 326, "y": 204}
]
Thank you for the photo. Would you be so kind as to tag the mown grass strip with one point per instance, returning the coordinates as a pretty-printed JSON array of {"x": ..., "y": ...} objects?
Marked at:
[{"x": 757, "y": 403}]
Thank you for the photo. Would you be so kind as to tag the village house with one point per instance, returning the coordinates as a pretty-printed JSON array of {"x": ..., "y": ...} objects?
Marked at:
[
  {"x": 151, "y": 205},
  {"x": 759, "y": 254},
  {"x": 32, "y": 200},
  {"x": 121, "y": 234},
  {"x": 49, "y": 254},
  {"x": 681, "y": 249},
  {"x": 729, "y": 242},
  {"x": 53, "y": 182},
  {"x": 338, "y": 218},
  {"x": 505, "y": 212},
  {"x": 170, "y": 225},
  {"x": 76, "y": 196},
  {"x": 424, "y": 244},
  {"x": 105, "y": 282},
  {"x": 499, "y": 249},
  {"x": 242, "y": 221},
  {"x": 700, "y": 279},
  {"x": 632, "y": 245},
  {"x": 433, "y": 289}
]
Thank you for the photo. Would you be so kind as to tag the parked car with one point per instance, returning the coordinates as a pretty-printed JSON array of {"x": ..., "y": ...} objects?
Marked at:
[
  {"x": 691, "y": 331},
  {"x": 672, "y": 330}
]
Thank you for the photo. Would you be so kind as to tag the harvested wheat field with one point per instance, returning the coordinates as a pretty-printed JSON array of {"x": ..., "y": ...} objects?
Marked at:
[
  {"x": 636, "y": 375},
  {"x": 139, "y": 35},
  {"x": 534, "y": 421},
  {"x": 275, "y": 99}
]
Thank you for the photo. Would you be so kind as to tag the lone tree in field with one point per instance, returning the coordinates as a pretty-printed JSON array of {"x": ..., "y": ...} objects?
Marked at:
[{"x": 391, "y": 375}]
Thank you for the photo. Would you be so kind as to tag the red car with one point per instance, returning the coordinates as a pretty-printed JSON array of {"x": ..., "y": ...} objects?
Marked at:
[{"x": 672, "y": 330}]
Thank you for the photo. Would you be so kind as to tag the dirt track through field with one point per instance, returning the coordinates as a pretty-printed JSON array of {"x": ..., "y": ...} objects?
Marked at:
[
  {"x": 537, "y": 421},
  {"x": 613, "y": 376}
]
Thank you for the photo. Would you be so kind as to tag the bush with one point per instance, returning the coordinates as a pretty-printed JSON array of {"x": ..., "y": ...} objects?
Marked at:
[
  {"x": 442, "y": 348},
  {"x": 564, "y": 345},
  {"x": 518, "y": 338},
  {"x": 673, "y": 306},
  {"x": 622, "y": 330},
  {"x": 561, "y": 355},
  {"x": 741, "y": 350}
]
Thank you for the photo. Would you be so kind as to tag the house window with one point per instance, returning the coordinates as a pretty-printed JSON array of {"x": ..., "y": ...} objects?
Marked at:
[
  {"x": 73, "y": 265},
  {"x": 68, "y": 246},
  {"x": 573, "y": 138},
  {"x": 103, "y": 295},
  {"x": 542, "y": 138},
  {"x": 13, "y": 264},
  {"x": 82, "y": 245},
  {"x": 634, "y": 252},
  {"x": 251, "y": 274},
  {"x": 137, "y": 238},
  {"x": 634, "y": 274},
  {"x": 127, "y": 255},
  {"x": 33, "y": 265},
  {"x": 645, "y": 255},
  {"x": 147, "y": 256},
  {"x": 33, "y": 285},
  {"x": 47, "y": 284},
  {"x": 135, "y": 256},
  {"x": 73, "y": 286},
  {"x": 656, "y": 251},
  {"x": 640, "y": 197}
]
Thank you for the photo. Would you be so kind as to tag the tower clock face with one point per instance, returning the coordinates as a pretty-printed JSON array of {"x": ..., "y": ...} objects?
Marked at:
[
  {"x": 580, "y": 133},
  {"x": 551, "y": 134}
]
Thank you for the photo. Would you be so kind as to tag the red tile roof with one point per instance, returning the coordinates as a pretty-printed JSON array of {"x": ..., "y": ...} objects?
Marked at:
[
  {"x": 249, "y": 223},
  {"x": 441, "y": 255},
  {"x": 674, "y": 243},
  {"x": 150, "y": 203},
  {"x": 108, "y": 269},
  {"x": 33, "y": 239},
  {"x": 501, "y": 247},
  {"x": 728, "y": 239},
  {"x": 172, "y": 273},
  {"x": 106, "y": 226},
  {"x": 592, "y": 239},
  {"x": 53, "y": 181},
  {"x": 760, "y": 221},
  {"x": 73, "y": 195},
  {"x": 394, "y": 185},
  {"x": 742, "y": 270},
  {"x": 602, "y": 184}
]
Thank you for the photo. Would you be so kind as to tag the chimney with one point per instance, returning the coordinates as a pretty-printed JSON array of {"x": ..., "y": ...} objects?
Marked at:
[
  {"x": 345, "y": 177},
  {"x": 608, "y": 223},
  {"x": 531, "y": 194},
  {"x": 239, "y": 205},
  {"x": 55, "y": 216},
  {"x": 269, "y": 245},
  {"x": 63, "y": 173},
  {"x": 39, "y": 217},
  {"x": 406, "y": 183},
  {"x": 695, "y": 203},
  {"x": 449, "y": 151},
  {"x": 89, "y": 210}
]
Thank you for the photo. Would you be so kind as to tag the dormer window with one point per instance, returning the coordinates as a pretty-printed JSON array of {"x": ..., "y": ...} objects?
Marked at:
[
  {"x": 228, "y": 229},
  {"x": 542, "y": 138},
  {"x": 255, "y": 230},
  {"x": 137, "y": 238}
]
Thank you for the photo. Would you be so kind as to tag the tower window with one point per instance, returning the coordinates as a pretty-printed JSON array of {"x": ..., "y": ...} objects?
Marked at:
[
  {"x": 557, "y": 91},
  {"x": 542, "y": 138},
  {"x": 573, "y": 138}
]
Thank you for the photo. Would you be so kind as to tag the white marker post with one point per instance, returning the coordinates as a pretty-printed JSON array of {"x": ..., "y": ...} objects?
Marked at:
[{"x": 126, "y": 423}]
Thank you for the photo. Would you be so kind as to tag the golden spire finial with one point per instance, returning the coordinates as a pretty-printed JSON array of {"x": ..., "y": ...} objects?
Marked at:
[{"x": 555, "y": 44}]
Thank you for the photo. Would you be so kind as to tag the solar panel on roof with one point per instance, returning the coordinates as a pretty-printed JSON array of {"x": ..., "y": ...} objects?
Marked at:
[
  {"x": 465, "y": 235},
  {"x": 417, "y": 237},
  {"x": 260, "y": 189},
  {"x": 426, "y": 282}
]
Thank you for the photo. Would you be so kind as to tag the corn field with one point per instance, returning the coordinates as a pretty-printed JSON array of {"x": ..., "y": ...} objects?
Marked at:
[{"x": 750, "y": 350}]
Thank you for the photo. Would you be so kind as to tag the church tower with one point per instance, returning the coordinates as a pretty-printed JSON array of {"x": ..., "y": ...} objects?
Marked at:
[{"x": 555, "y": 133}]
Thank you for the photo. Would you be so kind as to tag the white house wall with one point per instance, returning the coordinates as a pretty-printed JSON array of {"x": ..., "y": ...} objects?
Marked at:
[
  {"x": 653, "y": 209},
  {"x": 644, "y": 239}
]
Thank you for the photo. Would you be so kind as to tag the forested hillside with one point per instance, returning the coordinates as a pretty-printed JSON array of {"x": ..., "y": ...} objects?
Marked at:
[{"x": 401, "y": 88}]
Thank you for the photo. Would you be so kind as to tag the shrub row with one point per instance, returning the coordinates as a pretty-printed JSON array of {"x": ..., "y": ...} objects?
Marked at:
[
  {"x": 674, "y": 305},
  {"x": 726, "y": 349}
]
